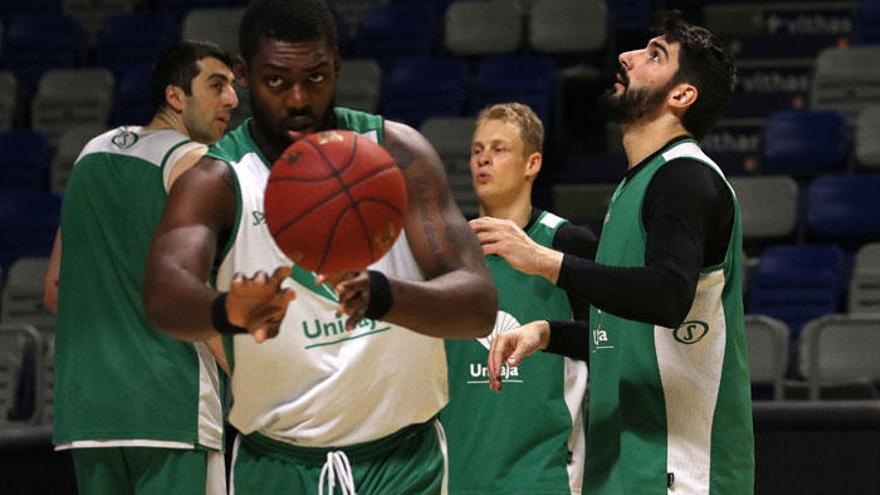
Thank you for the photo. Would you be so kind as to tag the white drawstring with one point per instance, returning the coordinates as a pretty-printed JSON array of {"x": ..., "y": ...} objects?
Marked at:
[{"x": 337, "y": 467}]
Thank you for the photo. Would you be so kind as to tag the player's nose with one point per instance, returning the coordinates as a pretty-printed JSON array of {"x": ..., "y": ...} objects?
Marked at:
[
  {"x": 230, "y": 98},
  {"x": 297, "y": 96}
]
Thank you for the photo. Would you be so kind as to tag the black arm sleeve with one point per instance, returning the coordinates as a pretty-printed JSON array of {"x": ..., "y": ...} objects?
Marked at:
[
  {"x": 581, "y": 242},
  {"x": 687, "y": 213},
  {"x": 569, "y": 339},
  {"x": 577, "y": 240}
]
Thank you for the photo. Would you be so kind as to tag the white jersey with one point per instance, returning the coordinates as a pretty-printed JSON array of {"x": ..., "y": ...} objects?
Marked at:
[{"x": 316, "y": 384}]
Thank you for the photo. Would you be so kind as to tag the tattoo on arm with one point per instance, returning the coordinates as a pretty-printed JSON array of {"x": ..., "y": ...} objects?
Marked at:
[{"x": 423, "y": 188}]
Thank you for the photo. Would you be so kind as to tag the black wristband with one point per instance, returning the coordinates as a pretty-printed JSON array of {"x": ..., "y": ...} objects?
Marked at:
[
  {"x": 380, "y": 296},
  {"x": 220, "y": 319}
]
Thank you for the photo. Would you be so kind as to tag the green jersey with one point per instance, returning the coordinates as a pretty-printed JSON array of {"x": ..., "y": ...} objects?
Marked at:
[
  {"x": 670, "y": 408},
  {"x": 332, "y": 386},
  {"x": 530, "y": 437},
  {"x": 119, "y": 382}
]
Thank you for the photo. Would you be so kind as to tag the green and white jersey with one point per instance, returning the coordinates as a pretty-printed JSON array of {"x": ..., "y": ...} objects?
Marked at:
[
  {"x": 119, "y": 382},
  {"x": 670, "y": 408},
  {"x": 316, "y": 384},
  {"x": 530, "y": 437}
]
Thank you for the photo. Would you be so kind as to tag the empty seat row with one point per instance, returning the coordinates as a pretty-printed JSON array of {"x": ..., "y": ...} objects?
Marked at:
[{"x": 834, "y": 351}]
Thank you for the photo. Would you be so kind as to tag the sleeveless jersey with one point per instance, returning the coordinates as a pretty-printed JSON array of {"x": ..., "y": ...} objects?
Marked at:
[
  {"x": 669, "y": 407},
  {"x": 316, "y": 384},
  {"x": 119, "y": 382},
  {"x": 530, "y": 437}
]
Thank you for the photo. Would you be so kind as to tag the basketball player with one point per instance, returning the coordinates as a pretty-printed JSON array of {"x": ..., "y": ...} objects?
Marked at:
[
  {"x": 347, "y": 393},
  {"x": 670, "y": 408},
  {"x": 531, "y": 438},
  {"x": 140, "y": 410}
]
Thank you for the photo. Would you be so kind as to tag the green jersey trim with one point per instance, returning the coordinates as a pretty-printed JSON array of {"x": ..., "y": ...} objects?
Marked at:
[
  {"x": 172, "y": 150},
  {"x": 229, "y": 351},
  {"x": 253, "y": 144},
  {"x": 307, "y": 280}
]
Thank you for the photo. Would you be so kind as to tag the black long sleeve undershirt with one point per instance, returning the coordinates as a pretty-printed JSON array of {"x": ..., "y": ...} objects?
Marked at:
[
  {"x": 575, "y": 240},
  {"x": 688, "y": 214},
  {"x": 580, "y": 242}
]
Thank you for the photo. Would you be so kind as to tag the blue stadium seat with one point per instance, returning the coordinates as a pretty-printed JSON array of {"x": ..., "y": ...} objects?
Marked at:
[
  {"x": 844, "y": 208},
  {"x": 388, "y": 32},
  {"x": 10, "y": 9},
  {"x": 134, "y": 105},
  {"x": 526, "y": 79},
  {"x": 632, "y": 15},
  {"x": 28, "y": 220},
  {"x": 439, "y": 6},
  {"x": 798, "y": 283},
  {"x": 117, "y": 49},
  {"x": 867, "y": 28},
  {"x": 37, "y": 43},
  {"x": 421, "y": 87},
  {"x": 805, "y": 143},
  {"x": 24, "y": 159}
]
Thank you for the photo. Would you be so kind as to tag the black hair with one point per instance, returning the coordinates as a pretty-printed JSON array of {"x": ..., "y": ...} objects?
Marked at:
[
  {"x": 705, "y": 62},
  {"x": 178, "y": 66},
  {"x": 293, "y": 21}
]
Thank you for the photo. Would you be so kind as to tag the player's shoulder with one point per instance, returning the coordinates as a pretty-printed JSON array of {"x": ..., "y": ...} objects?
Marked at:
[
  {"x": 150, "y": 145},
  {"x": 405, "y": 140},
  {"x": 233, "y": 146},
  {"x": 122, "y": 137},
  {"x": 398, "y": 131},
  {"x": 688, "y": 173}
]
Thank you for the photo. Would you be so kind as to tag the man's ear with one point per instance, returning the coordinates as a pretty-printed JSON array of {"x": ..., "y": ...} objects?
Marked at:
[
  {"x": 533, "y": 165},
  {"x": 682, "y": 96},
  {"x": 174, "y": 97},
  {"x": 239, "y": 68}
]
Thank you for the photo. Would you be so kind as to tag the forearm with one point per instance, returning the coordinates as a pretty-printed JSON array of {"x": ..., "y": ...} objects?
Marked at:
[
  {"x": 652, "y": 295},
  {"x": 547, "y": 263},
  {"x": 457, "y": 305},
  {"x": 180, "y": 305}
]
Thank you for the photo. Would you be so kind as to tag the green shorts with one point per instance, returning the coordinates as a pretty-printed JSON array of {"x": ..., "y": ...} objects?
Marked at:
[
  {"x": 411, "y": 460},
  {"x": 148, "y": 471}
]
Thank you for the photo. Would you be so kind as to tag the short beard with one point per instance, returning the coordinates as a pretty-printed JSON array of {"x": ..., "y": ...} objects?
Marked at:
[{"x": 633, "y": 104}]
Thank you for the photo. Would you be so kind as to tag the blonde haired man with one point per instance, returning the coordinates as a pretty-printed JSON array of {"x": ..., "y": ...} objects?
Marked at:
[{"x": 531, "y": 438}]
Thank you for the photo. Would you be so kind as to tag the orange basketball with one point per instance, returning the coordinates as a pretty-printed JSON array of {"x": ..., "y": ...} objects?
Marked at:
[{"x": 335, "y": 201}]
